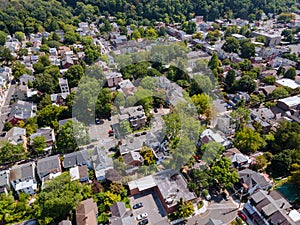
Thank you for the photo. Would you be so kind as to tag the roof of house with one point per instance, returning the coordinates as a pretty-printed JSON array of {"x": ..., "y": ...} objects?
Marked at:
[
  {"x": 291, "y": 101},
  {"x": 86, "y": 213},
  {"x": 252, "y": 178},
  {"x": 48, "y": 165},
  {"x": 22, "y": 110},
  {"x": 46, "y": 132},
  {"x": 118, "y": 209},
  {"x": 132, "y": 157},
  {"x": 15, "y": 133},
  {"x": 22, "y": 171},
  {"x": 4, "y": 176},
  {"x": 76, "y": 158},
  {"x": 288, "y": 83}
]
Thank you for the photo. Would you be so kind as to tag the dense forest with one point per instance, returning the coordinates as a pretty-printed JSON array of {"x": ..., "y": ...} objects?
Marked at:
[{"x": 38, "y": 15}]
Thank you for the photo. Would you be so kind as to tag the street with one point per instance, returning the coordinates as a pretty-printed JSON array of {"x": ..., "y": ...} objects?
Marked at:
[{"x": 5, "y": 107}]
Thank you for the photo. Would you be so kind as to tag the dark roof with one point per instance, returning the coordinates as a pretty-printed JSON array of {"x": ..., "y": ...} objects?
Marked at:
[
  {"x": 251, "y": 178},
  {"x": 48, "y": 165},
  {"x": 22, "y": 171},
  {"x": 118, "y": 209},
  {"x": 76, "y": 158},
  {"x": 83, "y": 171}
]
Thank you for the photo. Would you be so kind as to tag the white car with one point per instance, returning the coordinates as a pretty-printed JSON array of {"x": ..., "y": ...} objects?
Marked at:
[{"x": 142, "y": 216}]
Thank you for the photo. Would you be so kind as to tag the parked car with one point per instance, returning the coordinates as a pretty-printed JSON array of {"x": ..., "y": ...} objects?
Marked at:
[
  {"x": 144, "y": 221},
  {"x": 137, "y": 135},
  {"x": 98, "y": 121},
  {"x": 225, "y": 195},
  {"x": 144, "y": 133},
  {"x": 142, "y": 216},
  {"x": 138, "y": 205},
  {"x": 197, "y": 158},
  {"x": 242, "y": 215}
]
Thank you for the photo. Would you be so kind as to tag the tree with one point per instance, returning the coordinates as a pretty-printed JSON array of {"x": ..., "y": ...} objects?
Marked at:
[
  {"x": 5, "y": 55},
  {"x": 2, "y": 38},
  {"x": 148, "y": 156},
  {"x": 246, "y": 83},
  {"x": 247, "y": 50},
  {"x": 201, "y": 84},
  {"x": 59, "y": 196},
  {"x": 231, "y": 45},
  {"x": 135, "y": 35},
  {"x": 19, "y": 69},
  {"x": 184, "y": 209},
  {"x": 74, "y": 75},
  {"x": 261, "y": 39},
  {"x": 11, "y": 153},
  {"x": 189, "y": 27},
  {"x": 241, "y": 117},
  {"x": 279, "y": 92},
  {"x": 230, "y": 79},
  {"x": 103, "y": 104},
  {"x": 214, "y": 62},
  {"x": 72, "y": 135},
  {"x": 211, "y": 151},
  {"x": 202, "y": 102},
  {"x": 261, "y": 163},
  {"x": 223, "y": 173},
  {"x": 71, "y": 38},
  {"x": 125, "y": 128},
  {"x": 20, "y": 36},
  {"x": 39, "y": 144},
  {"x": 48, "y": 116},
  {"x": 269, "y": 80},
  {"x": 280, "y": 164},
  {"x": 151, "y": 33},
  {"x": 290, "y": 73},
  {"x": 248, "y": 140},
  {"x": 46, "y": 83},
  {"x": 149, "y": 83}
]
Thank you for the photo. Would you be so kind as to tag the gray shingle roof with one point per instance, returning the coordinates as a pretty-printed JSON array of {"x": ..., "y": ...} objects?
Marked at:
[{"x": 48, "y": 165}]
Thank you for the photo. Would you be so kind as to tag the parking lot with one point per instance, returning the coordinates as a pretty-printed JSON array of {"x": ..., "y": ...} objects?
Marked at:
[{"x": 151, "y": 205}]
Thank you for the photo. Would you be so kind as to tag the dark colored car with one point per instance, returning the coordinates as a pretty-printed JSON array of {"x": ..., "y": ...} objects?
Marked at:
[
  {"x": 138, "y": 205},
  {"x": 242, "y": 215},
  {"x": 144, "y": 221},
  {"x": 155, "y": 110},
  {"x": 137, "y": 134},
  {"x": 225, "y": 196},
  {"x": 144, "y": 133},
  {"x": 97, "y": 121}
]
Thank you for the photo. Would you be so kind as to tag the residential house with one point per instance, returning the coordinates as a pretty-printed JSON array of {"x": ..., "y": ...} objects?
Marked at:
[
  {"x": 87, "y": 213},
  {"x": 22, "y": 178},
  {"x": 66, "y": 62},
  {"x": 63, "y": 84},
  {"x": 5, "y": 74},
  {"x": 101, "y": 163},
  {"x": 21, "y": 111},
  {"x": 250, "y": 181},
  {"x": 269, "y": 207},
  {"x": 15, "y": 136},
  {"x": 237, "y": 159},
  {"x": 22, "y": 92},
  {"x": 48, "y": 134},
  {"x": 120, "y": 215},
  {"x": 113, "y": 79},
  {"x": 263, "y": 116},
  {"x": 267, "y": 90},
  {"x": 289, "y": 103},
  {"x": 209, "y": 135},
  {"x": 130, "y": 145},
  {"x": 48, "y": 168},
  {"x": 285, "y": 82},
  {"x": 169, "y": 186},
  {"x": 59, "y": 99},
  {"x": 80, "y": 173},
  {"x": 4, "y": 182},
  {"x": 133, "y": 159},
  {"x": 76, "y": 159},
  {"x": 135, "y": 115},
  {"x": 126, "y": 87},
  {"x": 24, "y": 79},
  {"x": 273, "y": 38}
]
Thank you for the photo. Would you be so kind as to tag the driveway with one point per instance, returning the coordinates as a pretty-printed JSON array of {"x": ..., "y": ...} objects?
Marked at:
[{"x": 151, "y": 205}]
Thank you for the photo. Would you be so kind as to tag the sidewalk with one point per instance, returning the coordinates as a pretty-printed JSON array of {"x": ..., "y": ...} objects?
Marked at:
[{"x": 202, "y": 209}]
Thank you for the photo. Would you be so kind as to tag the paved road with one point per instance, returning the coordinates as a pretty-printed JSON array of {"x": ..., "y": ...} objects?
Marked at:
[
  {"x": 225, "y": 211},
  {"x": 5, "y": 108}
]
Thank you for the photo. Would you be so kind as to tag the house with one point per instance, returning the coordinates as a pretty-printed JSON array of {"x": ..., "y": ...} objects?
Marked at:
[
  {"x": 130, "y": 145},
  {"x": 48, "y": 168},
  {"x": 66, "y": 62},
  {"x": 268, "y": 207},
  {"x": 133, "y": 159},
  {"x": 120, "y": 215},
  {"x": 113, "y": 79},
  {"x": 267, "y": 90},
  {"x": 289, "y": 103},
  {"x": 135, "y": 115},
  {"x": 101, "y": 163},
  {"x": 63, "y": 84},
  {"x": 273, "y": 38},
  {"x": 209, "y": 135},
  {"x": 22, "y": 92},
  {"x": 22, "y": 178},
  {"x": 87, "y": 213},
  {"x": 24, "y": 79},
  {"x": 15, "y": 136},
  {"x": 285, "y": 82},
  {"x": 237, "y": 159},
  {"x": 48, "y": 134},
  {"x": 126, "y": 87},
  {"x": 251, "y": 181},
  {"x": 4, "y": 182},
  {"x": 80, "y": 173},
  {"x": 21, "y": 111},
  {"x": 59, "y": 99},
  {"x": 76, "y": 159},
  {"x": 169, "y": 186}
]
